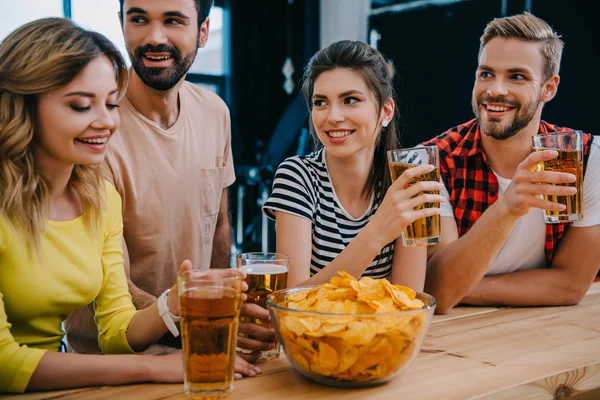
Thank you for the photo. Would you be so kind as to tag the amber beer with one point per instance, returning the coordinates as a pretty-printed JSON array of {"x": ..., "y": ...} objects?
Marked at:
[
  {"x": 569, "y": 145},
  {"x": 209, "y": 327},
  {"x": 264, "y": 279},
  {"x": 569, "y": 161},
  {"x": 424, "y": 231}
]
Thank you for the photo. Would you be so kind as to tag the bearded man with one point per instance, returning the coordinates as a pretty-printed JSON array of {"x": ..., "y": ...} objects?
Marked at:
[
  {"x": 171, "y": 162},
  {"x": 499, "y": 251}
]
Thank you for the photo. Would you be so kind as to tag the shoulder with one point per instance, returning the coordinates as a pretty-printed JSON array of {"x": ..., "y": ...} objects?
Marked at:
[
  {"x": 311, "y": 163},
  {"x": 206, "y": 99},
  {"x": 450, "y": 139},
  {"x": 113, "y": 204}
]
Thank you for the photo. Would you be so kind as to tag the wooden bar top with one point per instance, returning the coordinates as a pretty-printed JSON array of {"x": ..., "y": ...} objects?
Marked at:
[{"x": 473, "y": 352}]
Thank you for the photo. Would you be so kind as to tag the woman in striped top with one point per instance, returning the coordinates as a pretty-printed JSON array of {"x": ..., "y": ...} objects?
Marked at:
[{"x": 336, "y": 209}]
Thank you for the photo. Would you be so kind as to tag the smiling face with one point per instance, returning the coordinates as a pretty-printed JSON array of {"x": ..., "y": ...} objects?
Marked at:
[
  {"x": 162, "y": 38},
  {"x": 344, "y": 113},
  {"x": 74, "y": 122},
  {"x": 509, "y": 92}
]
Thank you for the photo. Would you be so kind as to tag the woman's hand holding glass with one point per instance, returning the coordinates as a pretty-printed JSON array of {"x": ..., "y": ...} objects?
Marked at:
[{"x": 397, "y": 210}]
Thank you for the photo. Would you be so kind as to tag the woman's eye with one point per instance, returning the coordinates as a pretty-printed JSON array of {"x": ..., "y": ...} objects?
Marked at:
[
  {"x": 112, "y": 106},
  {"x": 318, "y": 103},
  {"x": 80, "y": 109},
  {"x": 351, "y": 100}
]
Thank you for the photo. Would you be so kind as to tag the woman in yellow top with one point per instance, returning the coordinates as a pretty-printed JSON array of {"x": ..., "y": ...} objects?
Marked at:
[{"x": 60, "y": 222}]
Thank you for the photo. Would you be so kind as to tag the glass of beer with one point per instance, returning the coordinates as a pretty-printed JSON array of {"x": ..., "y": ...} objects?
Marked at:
[
  {"x": 265, "y": 273},
  {"x": 424, "y": 231},
  {"x": 209, "y": 306},
  {"x": 569, "y": 145}
]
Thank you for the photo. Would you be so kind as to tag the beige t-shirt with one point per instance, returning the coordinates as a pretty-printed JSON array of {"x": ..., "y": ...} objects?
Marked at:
[{"x": 171, "y": 182}]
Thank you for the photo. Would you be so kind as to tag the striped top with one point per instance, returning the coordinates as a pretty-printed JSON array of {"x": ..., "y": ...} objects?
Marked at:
[{"x": 302, "y": 187}]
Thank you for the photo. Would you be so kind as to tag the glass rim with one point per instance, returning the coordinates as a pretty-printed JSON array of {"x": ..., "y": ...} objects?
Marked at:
[
  {"x": 559, "y": 133},
  {"x": 277, "y": 256},
  {"x": 196, "y": 275},
  {"x": 432, "y": 304},
  {"x": 413, "y": 148}
]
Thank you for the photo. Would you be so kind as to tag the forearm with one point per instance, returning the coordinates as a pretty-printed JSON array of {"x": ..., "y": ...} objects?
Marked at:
[
  {"x": 145, "y": 328},
  {"x": 66, "y": 370},
  {"x": 221, "y": 251},
  {"x": 536, "y": 287},
  {"x": 354, "y": 259},
  {"x": 455, "y": 269}
]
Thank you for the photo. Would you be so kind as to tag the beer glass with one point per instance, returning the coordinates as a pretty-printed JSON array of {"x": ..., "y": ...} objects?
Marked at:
[
  {"x": 569, "y": 145},
  {"x": 265, "y": 273},
  {"x": 424, "y": 231},
  {"x": 209, "y": 306}
]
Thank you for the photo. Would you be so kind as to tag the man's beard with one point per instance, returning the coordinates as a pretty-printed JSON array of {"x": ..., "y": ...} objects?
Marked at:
[
  {"x": 494, "y": 128},
  {"x": 162, "y": 78}
]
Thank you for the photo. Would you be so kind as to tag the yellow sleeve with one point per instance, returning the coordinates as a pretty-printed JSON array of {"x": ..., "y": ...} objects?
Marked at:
[
  {"x": 17, "y": 363},
  {"x": 114, "y": 308}
]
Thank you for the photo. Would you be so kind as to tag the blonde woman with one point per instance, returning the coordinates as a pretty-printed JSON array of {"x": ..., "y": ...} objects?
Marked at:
[{"x": 60, "y": 222}]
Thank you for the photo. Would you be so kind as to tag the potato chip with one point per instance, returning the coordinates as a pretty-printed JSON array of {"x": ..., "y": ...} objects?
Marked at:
[{"x": 361, "y": 336}]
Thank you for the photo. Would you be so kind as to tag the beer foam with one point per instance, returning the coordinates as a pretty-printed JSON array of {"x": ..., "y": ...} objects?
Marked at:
[{"x": 264, "y": 269}]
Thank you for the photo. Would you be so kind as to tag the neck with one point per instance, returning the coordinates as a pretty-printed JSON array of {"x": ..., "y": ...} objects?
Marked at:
[
  {"x": 59, "y": 175},
  {"x": 504, "y": 156},
  {"x": 160, "y": 106},
  {"x": 358, "y": 166}
]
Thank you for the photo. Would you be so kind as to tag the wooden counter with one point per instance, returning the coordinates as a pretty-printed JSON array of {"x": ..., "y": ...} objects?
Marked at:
[{"x": 473, "y": 352}]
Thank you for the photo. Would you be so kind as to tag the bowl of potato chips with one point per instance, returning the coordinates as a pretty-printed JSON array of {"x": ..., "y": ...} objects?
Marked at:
[{"x": 349, "y": 332}]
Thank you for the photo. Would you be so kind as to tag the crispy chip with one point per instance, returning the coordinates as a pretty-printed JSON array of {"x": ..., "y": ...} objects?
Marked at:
[{"x": 352, "y": 346}]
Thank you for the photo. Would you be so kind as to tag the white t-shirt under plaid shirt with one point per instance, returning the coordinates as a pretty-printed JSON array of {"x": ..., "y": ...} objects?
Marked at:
[{"x": 302, "y": 187}]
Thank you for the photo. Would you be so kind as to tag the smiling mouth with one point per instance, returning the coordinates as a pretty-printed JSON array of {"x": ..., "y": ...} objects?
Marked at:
[
  {"x": 157, "y": 58},
  {"x": 339, "y": 134},
  {"x": 93, "y": 141}
]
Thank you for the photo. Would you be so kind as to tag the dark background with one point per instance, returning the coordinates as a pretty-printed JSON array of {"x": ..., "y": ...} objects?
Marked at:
[{"x": 434, "y": 52}]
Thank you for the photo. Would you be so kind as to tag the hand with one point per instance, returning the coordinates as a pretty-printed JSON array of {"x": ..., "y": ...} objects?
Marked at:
[
  {"x": 258, "y": 338},
  {"x": 244, "y": 368},
  {"x": 186, "y": 267},
  {"x": 397, "y": 210},
  {"x": 167, "y": 368},
  {"x": 527, "y": 183}
]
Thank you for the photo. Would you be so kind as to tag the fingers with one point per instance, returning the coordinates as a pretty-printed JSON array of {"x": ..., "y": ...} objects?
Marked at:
[
  {"x": 250, "y": 357},
  {"x": 248, "y": 343},
  {"x": 411, "y": 173},
  {"x": 255, "y": 311},
  {"x": 537, "y": 156},
  {"x": 559, "y": 178},
  {"x": 548, "y": 190},
  {"x": 423, "y": 199},
  {"x": 258, "y": 332},
  {"x": 244, "y": 368}
]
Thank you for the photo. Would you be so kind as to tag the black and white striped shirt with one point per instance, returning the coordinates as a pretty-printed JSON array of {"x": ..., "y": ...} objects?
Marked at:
[{"x": 302, "y": 187}]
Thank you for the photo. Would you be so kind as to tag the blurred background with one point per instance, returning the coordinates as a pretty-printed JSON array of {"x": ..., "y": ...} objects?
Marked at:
[{"x": 257, "y": 50}]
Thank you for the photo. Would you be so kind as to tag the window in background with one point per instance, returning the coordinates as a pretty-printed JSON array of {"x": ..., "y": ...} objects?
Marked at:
[
  {"x": 210, "y": 59},
  {"x": 100, "y": 16},
  {"x": 17, "y": 13}
]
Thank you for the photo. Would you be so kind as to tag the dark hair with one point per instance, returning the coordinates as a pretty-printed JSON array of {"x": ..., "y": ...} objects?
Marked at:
[
  {"x": 202, "y": 6},
  {"x": 373, "y": 68}
]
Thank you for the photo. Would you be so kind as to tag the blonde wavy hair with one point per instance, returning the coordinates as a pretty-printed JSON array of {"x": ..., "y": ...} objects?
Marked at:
[{"x": 36, "y": 58}]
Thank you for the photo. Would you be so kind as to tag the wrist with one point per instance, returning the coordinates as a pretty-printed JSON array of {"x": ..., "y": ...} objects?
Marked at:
[
  {"x": 374, "y": 240},
  {"x": 165, "y": 313}
]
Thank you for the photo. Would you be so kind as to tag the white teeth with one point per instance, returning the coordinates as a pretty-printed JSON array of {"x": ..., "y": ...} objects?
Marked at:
[
  {"x": 497, "y": 108},
  {"x": 339, "y": 134},
  {"x": 157, "y": 58},
  {"x": 94, "y": 141}
]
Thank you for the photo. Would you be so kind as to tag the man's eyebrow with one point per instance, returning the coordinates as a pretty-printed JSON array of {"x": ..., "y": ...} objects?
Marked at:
[
  {"x": 176, "y": 14},
  {"x": 136, "y": 10}
]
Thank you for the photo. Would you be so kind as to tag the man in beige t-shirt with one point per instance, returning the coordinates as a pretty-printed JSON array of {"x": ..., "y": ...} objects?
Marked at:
[{"x": 171, "y": 163}]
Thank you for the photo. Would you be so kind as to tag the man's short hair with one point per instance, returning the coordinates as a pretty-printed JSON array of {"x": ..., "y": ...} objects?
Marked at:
[
  {"x": 202, "y": 6},
  {"x": 528, "y": 28}
]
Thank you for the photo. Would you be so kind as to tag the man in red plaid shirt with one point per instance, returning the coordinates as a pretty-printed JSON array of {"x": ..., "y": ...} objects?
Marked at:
[{"x": 499, "y": 250}]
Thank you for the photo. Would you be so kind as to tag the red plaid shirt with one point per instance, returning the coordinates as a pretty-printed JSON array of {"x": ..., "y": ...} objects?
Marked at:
[{"x": 472, "y": 185}]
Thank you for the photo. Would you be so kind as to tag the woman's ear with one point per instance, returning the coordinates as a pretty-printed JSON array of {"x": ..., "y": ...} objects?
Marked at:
[{"x": 387, "y": 112}]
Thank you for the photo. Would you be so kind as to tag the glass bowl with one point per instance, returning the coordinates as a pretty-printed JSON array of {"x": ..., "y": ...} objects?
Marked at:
[{"x": 349, "y": 350}]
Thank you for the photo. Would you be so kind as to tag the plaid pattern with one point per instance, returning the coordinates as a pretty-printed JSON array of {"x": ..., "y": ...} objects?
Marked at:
[{"x": 472, "y": 185}]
